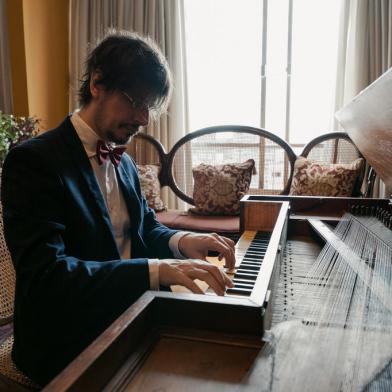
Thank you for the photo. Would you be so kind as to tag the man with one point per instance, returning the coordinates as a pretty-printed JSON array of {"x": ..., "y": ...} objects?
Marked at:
[{"x": 84, "y": 243}]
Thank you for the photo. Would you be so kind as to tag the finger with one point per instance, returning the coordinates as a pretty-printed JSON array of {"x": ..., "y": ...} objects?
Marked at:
[
  {"x": 225, "y": 250},
  {"x": 230, "y": 261},
  {"x": 190, "y": 284},
  {"x": 224, "y": 240},
  {"x": 221, "y": 277},
  {"x": 227, "y": 279},
  {"x": 229, "y": 254},
  {"x": 215, "y": 272},
  {"x": 205, "y": 276},
  {"x": 228, "y": 241}
]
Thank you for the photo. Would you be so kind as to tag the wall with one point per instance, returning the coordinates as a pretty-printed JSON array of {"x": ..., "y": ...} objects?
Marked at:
[
  {"x": 18, "y": 58},
  {"x": 39, "y": 58}
]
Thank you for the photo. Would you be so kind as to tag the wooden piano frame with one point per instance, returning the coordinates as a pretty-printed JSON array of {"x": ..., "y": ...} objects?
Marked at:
[
  {"x": 228, "y": 327},
  {"x": 176, "y": 342}
]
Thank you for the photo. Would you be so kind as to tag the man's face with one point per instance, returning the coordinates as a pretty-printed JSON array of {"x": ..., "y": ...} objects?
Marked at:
[{"x": 115, "y": 117}]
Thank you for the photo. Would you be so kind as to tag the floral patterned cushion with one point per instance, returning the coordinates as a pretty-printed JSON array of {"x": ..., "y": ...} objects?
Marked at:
[
  {"x": 151, "y": 187},
  {"x": 316, "y": 179},
  {"x": 217, "y": 190}
]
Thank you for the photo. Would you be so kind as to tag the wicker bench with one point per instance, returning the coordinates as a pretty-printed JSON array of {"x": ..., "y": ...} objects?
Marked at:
[{"x": 274, "y": 164}]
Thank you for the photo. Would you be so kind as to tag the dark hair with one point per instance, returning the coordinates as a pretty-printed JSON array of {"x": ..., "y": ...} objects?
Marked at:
[{"x": 128, "y": 62}]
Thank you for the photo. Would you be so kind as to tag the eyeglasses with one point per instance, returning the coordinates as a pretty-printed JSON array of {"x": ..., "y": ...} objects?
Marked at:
[{"x": 138, "y": 105}]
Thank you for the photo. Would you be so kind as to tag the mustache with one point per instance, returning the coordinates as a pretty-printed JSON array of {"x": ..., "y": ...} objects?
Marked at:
[{"x": 134, "y": 129}]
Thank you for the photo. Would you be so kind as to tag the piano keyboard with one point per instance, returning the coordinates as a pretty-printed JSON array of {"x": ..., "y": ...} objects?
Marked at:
[{"x": 250, "y": 251}]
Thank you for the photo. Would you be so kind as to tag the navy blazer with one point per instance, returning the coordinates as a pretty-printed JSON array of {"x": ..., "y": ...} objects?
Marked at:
[{"x": 70, "y": 281}]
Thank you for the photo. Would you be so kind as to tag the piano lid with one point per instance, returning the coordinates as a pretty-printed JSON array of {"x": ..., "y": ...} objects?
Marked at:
[{"x": 368, "y": 121}]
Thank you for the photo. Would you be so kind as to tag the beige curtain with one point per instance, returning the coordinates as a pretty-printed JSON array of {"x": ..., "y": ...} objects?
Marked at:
[
  {"x": 5, "y": 66},
  {"x": 162, "y": 20},
  {"x": 365, "y": 52}
]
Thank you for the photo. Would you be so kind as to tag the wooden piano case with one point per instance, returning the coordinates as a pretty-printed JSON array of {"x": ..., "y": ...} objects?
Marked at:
[
  {"x": 161, "y": 342},
  {"x": 174, "y": 342}
]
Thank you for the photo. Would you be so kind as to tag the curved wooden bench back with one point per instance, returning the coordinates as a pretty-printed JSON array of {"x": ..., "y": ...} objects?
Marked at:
[
  {"x": 219, "y": 145},
  {"x": 233, "y": 144},
  {"x": 145, "y": 149},
  {"x": 335, "y": 147},
  {"x": 215, "y": 146}
]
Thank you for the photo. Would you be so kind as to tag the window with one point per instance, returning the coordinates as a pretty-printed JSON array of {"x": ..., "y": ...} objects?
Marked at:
[
  {"x": 269, "y": 64},
  {"x": 223, "y": 58}
]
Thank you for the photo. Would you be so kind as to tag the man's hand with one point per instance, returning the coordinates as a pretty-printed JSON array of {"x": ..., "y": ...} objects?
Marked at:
[
  {"x": 183, "y": 272},
  {"x": 196, "y": 246}
]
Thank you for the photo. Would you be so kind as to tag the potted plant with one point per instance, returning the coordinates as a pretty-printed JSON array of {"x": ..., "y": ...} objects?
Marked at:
[{"x": 14, "y": 130}]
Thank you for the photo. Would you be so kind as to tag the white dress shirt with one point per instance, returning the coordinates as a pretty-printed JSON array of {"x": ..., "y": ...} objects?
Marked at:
[{"x": 114, "y": 200}]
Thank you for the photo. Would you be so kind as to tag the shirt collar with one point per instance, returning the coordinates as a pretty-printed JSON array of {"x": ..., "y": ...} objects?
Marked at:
[{"x": 86, "y": 134}]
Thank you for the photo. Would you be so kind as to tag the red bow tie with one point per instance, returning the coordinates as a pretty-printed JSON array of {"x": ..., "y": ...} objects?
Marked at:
[{"x": 105, "y": 152}]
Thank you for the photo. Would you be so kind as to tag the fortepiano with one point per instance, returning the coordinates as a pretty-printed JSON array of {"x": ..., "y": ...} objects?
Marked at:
[{"x": 178, "y": 341}]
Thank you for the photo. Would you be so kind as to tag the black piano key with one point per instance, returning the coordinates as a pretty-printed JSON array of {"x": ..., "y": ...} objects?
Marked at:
[
  {"x": 242, "y": 281},
  {"x": 242, "y": 267},
  {"x": 260, "y": 241},
  {"x": 258, "y": 246},
  {"x": 254, "y": 259},
  {"x": 245, "y": 276},
  {"x": 239, "y": 291},
  {"x": 246, "y": 271},
  {"x": 251, "y": 266},
  {"x": 257, "y": 250},
  {"x": 255, "y": 254},
  {"x": 243, "y": 287}
]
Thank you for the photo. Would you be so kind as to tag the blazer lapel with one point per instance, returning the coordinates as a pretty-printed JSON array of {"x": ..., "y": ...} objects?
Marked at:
[
  {"x": 82, "y": 163},
  {"x": 130, "y": 195},
  {"x": 138, "y": 246}
]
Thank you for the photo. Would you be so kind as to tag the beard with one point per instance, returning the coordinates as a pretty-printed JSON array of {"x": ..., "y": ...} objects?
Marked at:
[
  {"x": 122, "y": 138},
  {"x": 118, "y": 133}
]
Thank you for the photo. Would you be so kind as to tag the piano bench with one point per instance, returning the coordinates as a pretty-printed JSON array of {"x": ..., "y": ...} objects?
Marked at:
[{"x": 228, "y": 226}]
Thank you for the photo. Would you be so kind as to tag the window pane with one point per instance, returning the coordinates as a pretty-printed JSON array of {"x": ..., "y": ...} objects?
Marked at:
[
  {"x": 223, "y": 61},
  {"x": 277, "y": 23},
  {"x": 314, "y": 59}
]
